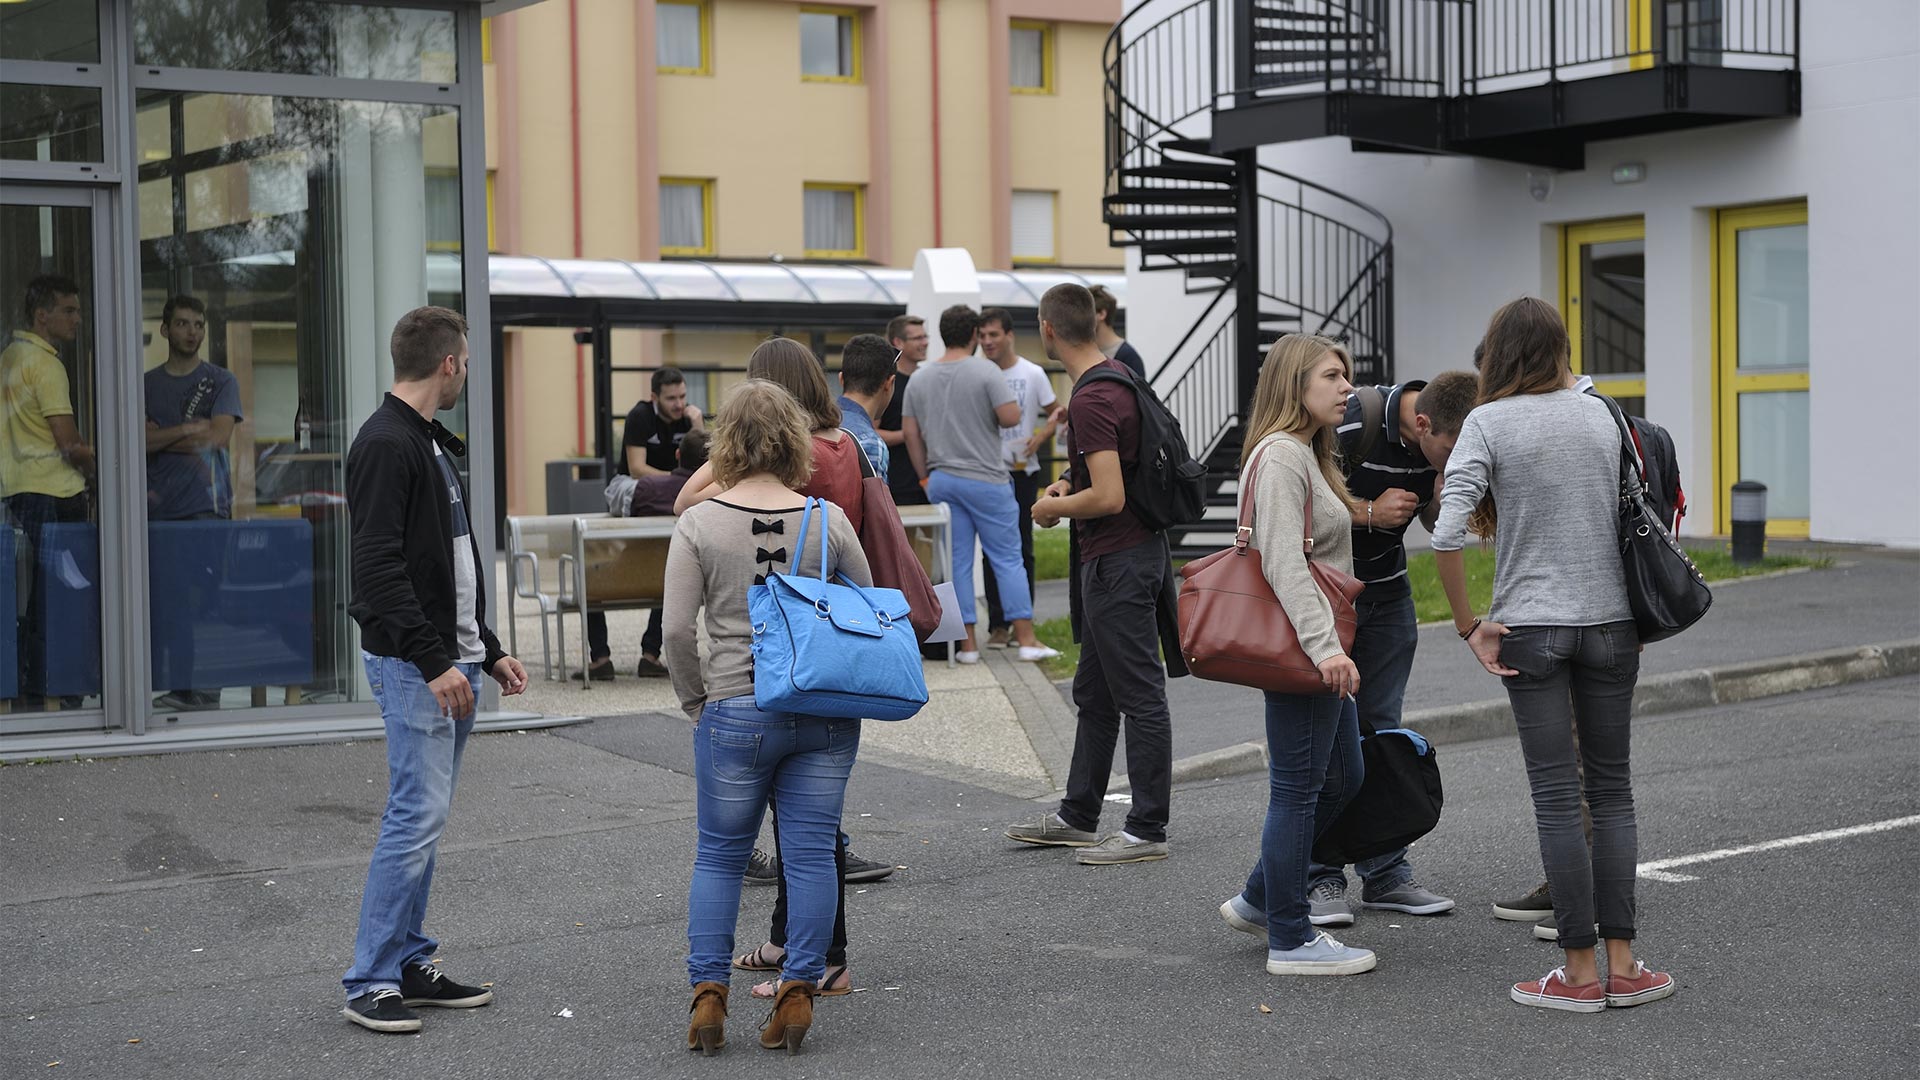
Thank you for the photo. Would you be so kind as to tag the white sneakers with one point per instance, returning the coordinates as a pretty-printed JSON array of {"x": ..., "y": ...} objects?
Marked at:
[{"x": 1033, "y": 654}]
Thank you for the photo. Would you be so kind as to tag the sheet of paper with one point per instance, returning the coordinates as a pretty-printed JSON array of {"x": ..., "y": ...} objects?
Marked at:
[{"x": 950, "y": 628}]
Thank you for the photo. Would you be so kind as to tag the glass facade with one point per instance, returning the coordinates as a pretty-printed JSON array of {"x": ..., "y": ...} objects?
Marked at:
[{"x": 174, "y": 426}]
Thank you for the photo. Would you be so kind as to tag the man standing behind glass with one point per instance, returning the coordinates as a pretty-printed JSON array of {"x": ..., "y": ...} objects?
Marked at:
[
  {"x": 192, "y": 407},
  {"x": 43, "y": 464},
  {"x": 421, "y": 601}
]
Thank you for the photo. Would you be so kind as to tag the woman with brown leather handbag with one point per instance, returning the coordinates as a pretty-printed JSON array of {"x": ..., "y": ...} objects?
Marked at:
[{"x": 1290, "y": 477}]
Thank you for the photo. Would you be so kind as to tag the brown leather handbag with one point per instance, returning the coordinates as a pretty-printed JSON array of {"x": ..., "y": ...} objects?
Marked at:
[
  {"x": 1232, "y": 627},
  {"x": 890, "y": 555}
]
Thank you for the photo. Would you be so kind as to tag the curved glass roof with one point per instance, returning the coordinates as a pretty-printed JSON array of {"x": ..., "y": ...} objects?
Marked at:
[{"x": 768, "y": 282}]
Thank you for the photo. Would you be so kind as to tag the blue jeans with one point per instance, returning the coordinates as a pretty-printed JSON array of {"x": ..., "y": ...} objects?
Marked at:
[
  {"x": 1314, "y": 743},
  {"x": 1383, "y": 645},
  {"x": 424, "y": 746},
  {"x": 741, "y": 756},
  {"x": 990, "y": 512}
]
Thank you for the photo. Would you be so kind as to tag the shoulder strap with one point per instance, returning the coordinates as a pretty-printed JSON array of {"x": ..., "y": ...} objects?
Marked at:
[
  {"x": 800, "y": 540},
  {"x": 1373, "y": 415},
  {"x": 1244, "y": 534},
  {"x": 866, "y": 467},
  {"x": 1629, "y": 453}
]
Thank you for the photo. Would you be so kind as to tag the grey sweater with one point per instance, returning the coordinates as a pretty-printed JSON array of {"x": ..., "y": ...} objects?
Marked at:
[
  {"x": 1279, "y": 507},
  {"x": 713, "y": 561},
  {"x": 1552, "y": 463}
]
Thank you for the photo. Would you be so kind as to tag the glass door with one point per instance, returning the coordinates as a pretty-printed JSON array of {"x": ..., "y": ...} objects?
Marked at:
[
  {"x": 1604, "y": 300},
  {"x": 1762, "y": 370},
  {"x": 53, "y": 292}
]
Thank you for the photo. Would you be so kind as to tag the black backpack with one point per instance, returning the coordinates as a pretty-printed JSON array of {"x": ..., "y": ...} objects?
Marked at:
[
  {"x": 1166, "y": 486},
  {"x": 1659, "y": 470}
]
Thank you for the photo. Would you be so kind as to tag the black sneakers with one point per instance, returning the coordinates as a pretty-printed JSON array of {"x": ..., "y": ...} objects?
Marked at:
[
  {"x": 859, "y": 869},
  {"x": 1533, "y": 907},
  {"x": 382, "y": 1011},
  {"x": 422, "y": 984},
  {"x": 764, "y": 869}
]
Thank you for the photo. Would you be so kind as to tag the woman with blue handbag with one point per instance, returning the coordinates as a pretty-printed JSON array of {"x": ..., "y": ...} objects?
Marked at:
[{"x": 722, "y": 548}]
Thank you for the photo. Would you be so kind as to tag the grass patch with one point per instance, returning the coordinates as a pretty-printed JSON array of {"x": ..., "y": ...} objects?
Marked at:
[
  {"x": 1050, "y": 553},
  {"x": 1430, "y": 601}
]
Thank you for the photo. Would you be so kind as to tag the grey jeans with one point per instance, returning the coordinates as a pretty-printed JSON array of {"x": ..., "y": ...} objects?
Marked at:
[{"x": 1568, "y": 676}]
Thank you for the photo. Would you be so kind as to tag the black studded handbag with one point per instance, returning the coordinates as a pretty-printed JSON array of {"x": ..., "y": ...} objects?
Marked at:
[{"x": 1664, "y": 587}]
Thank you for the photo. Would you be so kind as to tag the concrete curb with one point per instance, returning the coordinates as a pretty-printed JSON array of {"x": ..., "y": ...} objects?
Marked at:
[{"x": 1673, "y": 692}]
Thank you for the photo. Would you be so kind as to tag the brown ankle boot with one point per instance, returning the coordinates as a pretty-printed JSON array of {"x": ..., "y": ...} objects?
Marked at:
[
  {"x": 707, "y": 1031},
  {"x": 792, "y": 1016}
]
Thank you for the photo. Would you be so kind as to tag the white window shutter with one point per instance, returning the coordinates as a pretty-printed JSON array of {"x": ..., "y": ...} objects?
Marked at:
[{"x": 1033, "y": 225}]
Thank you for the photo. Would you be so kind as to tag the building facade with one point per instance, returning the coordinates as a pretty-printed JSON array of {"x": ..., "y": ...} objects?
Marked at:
[
  {"x": 211, "y": 214},
  {"x": 770, "y": 130},
  {"x": 1721, "y": 198}
]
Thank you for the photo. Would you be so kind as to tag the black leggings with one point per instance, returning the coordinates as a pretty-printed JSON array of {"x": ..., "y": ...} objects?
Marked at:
[{"x": 837, "y": 948}]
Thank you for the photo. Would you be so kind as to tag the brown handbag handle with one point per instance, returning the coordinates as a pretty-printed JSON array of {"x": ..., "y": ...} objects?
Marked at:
[{"x": 1244, "y": 533}]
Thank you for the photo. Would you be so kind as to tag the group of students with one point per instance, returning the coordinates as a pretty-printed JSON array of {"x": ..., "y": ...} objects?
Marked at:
[{"x": 1520, "y": 437}]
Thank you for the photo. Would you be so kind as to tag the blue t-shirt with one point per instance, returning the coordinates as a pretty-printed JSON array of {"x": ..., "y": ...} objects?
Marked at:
[
  {"x": 860, "y": 426},
  {"x": 182, "y": 486}
]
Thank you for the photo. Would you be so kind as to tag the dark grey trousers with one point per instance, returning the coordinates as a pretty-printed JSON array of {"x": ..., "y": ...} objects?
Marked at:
[
  {"x": 1120, "y": 675},
  {"x": 1584, "y": 676}
]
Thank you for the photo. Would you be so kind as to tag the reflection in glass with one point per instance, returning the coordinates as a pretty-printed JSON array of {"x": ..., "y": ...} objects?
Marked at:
[
  {"x": 1773, "y": 450},
  {"x": 1773, "y": 297},
  {"x": 49, "y": 544},
  {"x": 67, "y": 31},
  {"x": 49, "y": 123},
  {"x": 296, "y": 37},
  {"x": 1613, "y": 308},
  {"x": 279, "y": 246}
]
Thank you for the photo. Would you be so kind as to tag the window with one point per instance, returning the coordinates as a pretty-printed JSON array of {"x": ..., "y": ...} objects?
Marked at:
[
  {"x": 443, "y": 209},
  {"x": 686, "y": 217},
  {"x": 300, "y": 37},
  {"x": 681, "y": 33},
  {"x": 1604, "y": 300},
  {"x": 1030, "y": 62},
  {"x": 829, "y": 45},
  {"x": 1763, "y": 345},
  {"x": 1033, "y": 230},
  {"x": 835, "y": 221}
]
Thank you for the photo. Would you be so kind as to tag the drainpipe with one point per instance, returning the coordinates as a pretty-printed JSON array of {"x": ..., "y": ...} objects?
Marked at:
[
  {"x": 573, "y": 119},
  {"x": 933, "y": 14}
]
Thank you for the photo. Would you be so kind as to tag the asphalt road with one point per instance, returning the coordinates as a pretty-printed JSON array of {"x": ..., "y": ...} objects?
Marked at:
[{"x": 154, "y": 931}]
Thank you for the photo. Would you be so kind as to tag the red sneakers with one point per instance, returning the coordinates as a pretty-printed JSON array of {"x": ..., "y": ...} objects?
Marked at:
[
  {"x": 1554, "y": 992},
  {"x": 1638, "y": 987}
]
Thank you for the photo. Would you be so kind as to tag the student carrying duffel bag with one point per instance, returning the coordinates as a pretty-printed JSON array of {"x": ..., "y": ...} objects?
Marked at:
[{"x": 1398, "y": 802}]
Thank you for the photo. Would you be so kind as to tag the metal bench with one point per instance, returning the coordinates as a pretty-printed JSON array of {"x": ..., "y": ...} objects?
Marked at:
[{"x": 540, "y": 569}]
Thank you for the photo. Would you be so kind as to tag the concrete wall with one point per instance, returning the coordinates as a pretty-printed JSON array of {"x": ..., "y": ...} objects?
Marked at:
[{"x": 1468, "y": 236}]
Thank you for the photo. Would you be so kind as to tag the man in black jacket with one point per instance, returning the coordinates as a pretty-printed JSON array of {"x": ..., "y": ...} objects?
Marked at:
[{"x": 419, "y": 598}]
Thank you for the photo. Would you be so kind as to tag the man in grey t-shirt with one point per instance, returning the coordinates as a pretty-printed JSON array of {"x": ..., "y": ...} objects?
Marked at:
[{"x": 952, "y": 418}]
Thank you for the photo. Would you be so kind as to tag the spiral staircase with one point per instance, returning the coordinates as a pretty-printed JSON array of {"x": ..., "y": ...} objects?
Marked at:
[{"x": 1276, "y": 253}]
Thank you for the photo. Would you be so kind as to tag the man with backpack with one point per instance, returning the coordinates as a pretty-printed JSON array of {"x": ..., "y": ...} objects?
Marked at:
[
  {"x": 1124, "y": 601},
  {"x": 1394, "y": 442}
]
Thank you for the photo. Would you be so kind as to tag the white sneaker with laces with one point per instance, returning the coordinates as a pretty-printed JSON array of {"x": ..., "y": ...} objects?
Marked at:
[{"x": 1033, "y": 654}]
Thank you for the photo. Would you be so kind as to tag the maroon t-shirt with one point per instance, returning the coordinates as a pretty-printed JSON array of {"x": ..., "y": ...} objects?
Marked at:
[{"x": 1104, "y": 415}]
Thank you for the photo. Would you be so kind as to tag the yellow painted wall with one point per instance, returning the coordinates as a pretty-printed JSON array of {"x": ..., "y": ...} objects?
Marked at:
[
  {"x": 966, "y": 176},
  {"x": 1057, "y": 145},
  {"x": 758, "y": 131}
]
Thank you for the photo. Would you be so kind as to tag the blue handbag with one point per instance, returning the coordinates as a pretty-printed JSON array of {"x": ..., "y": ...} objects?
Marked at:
[{"x": 832, "y": 648}]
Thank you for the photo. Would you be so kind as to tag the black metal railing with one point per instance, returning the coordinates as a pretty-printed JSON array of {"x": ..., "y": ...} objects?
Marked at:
[
  {"x": 1206, "y": 397},
  {"x": 1512, "y": 40},
  {"x": 1328, "y": 259},
  {"x": 1396, "y": 47}
]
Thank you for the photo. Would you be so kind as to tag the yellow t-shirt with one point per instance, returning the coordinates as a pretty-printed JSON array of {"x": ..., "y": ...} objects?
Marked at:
[{"x": 33, "y": 386}]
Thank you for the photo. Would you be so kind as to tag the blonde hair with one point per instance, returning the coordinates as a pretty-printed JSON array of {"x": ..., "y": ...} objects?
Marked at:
[
  {"x": 1279, "y": 402},
  {"x": 761, "y": 430}
]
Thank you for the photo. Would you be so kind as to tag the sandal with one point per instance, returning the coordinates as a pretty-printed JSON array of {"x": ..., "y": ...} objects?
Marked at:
[
  {"x": 757, "y": 960},
  {"x": 836, "y": 983}
]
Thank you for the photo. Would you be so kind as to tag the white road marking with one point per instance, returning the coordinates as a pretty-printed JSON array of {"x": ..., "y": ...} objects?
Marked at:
[{"x": 1657, "y": 870}]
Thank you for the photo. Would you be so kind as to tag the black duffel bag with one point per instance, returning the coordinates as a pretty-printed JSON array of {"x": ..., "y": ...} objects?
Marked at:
[{"x": 1399, "y": 801}]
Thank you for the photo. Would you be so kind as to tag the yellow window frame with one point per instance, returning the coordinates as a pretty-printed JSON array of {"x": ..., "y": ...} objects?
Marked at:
[
  {"x": 1053, "y": 259},
  {"x": 1728, "y": 383},
  {"x": 706, "y": 39},
  {"x": 492, "y": 245},
  {"x": 706, "y": 214},
  {"x": 859, "y": 250},
  {"x": 852, "y": 15},
  {"x": 1572, "y": 239},
  {"x": 1046, "y": 54},
  {"x": 486, "y": 41}
]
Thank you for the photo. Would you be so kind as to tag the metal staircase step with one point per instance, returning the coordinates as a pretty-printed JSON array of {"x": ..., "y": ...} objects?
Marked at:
[
  {"x": 1271, "y": 55},
  {"x": 1192, "y": 245},
  {"x": 1188, "y": 146},
  {"x": 1166, "y": 196},
  {"x": 1214, "y": 269},
  {"x": 1171, "y": 221},
  {"x": 1184, "y": 170}
]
